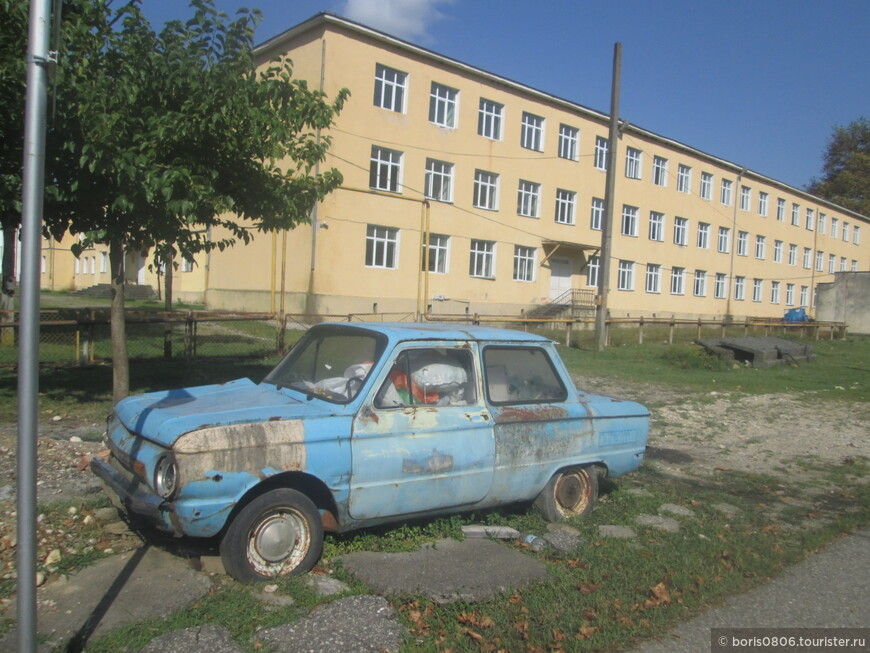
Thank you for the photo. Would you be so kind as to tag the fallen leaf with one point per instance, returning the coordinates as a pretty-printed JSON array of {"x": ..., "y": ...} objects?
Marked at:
[
  {"x": 585, "y": 632},
  {"x": 588, "y": 588}
]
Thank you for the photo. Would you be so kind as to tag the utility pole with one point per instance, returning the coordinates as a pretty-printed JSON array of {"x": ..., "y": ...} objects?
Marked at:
[
  {"x": 607, "y": 227},
  {"x": 38, "y": 58}
]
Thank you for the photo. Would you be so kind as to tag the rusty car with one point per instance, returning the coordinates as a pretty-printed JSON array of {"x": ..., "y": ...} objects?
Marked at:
[{"x": 364, "y": 424}]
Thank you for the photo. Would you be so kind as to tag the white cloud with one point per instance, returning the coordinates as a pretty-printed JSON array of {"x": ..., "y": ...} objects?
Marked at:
[{"x": 407, "y": 19}]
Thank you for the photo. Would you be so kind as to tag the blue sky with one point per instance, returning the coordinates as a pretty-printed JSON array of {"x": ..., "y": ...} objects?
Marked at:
[{"x": 760, "y": 83}]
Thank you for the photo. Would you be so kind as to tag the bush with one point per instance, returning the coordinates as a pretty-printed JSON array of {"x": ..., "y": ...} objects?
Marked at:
[{"x": 693, "y": 357}]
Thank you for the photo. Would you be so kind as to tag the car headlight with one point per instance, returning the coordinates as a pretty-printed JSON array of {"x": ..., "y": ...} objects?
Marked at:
[{"x": 166, "y": 477}]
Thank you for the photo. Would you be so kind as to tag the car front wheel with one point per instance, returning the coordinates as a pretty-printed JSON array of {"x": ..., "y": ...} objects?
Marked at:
[
  {"x": 569, "y": 493},
  {"x": 277, "y": 534}
]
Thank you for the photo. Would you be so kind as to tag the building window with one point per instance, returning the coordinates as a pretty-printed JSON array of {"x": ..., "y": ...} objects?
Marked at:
[
  {"x": 390, "y": 86},
  {"x": 842, "y": 264},
  {"x": 795, "y": 215},
  {"x": 684, "y": 179},
  {"x": 565, "y": 205},
  {"x": 528, "y": 198},
  {"x": 439, "y": 253},
  {"x": 703, "y": 235},
  {"x": 489, "y": 119},
  {"x": 856, "y": 235},
  {"x": 187, "y": 265},
  {"x": 629, "y": 220},
  {"x": 745, "y": 198},
  {"x": 524, "y": 263},
  {"x": 792, "y": 254},
  {"x": 789, "y": 294},
  {"x": 808, "y": 258},
  {"x": 104, "y": 262},
  {"x": 757, "y": 289},
  {"x": 835, "y": 224},
  {"x": 854, "y": 267},
  {"x": 678, "y": 281},
  {"x": 597, "y": 215},
  {"x": 532, "y": 134},
  {"x": 740, "y": 288},
  {"x": 780, "y": 209},
  {"x": 820, "y": 261},
  {"x": 633, "y": 163},
  {"x": 485, "y": 190},
  {"x": 700, "y": 288},
  {"x": 382, "y": 249},
  {"x": 592, "y": 271},
  {"x": 811, "y": 219},
  {"x": 653, "y": 278},
  {"x": 569, "y": 141},
  {"x": 845, "y": 232},
  {"x": 725, "y": 195},
  {"x": 821, "y": 223},
  {"x": 601, "y": 145},
  {"x": 777, "y": 251},
  {"x": 706, "y": 186},
  {"x": 723, "y": 244},
  {"x": 742, "y": 243},
  {"x": 774, "y": 292},
  {"x": 720, "y": 286},
  {"x": 832, "y": 263},
  {"x": 482, "y": 260},
  {"x": 439, "y": 180},
  {"x": 805, "y": 296},
  {"x": 386, "y": 170},
  {"x": 625, "y": 275},
  {"x": 760, "y": 247},
  {"x": 443, "y": 104},
  {"x": 77, "y": 266},
  {"x": 762, "y": 204},
  {"x": 681, "y": 231},
  {"x": 656, "y": 226},
  {"x": 660, "y": 171}
]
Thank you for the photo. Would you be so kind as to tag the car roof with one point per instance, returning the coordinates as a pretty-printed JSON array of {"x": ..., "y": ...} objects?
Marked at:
[{"x": 400, "y": 331}]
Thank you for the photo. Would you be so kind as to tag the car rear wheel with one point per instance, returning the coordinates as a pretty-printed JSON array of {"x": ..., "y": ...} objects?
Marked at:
[
  {"x": 569, "y": 493},
  {"x": 277, "y": 534}
]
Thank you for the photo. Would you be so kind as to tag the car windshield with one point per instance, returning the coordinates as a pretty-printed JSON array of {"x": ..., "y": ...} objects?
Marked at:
[{"x": 330, "y": 362}]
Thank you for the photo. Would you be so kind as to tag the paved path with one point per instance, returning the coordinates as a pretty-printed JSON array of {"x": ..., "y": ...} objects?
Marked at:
[{"x": 831, "y": 589}]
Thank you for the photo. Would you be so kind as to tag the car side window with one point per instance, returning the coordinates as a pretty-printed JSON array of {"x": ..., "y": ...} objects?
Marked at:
[
  {"x": 521, "y": 375},
  {"x": 429, "y": 377}
]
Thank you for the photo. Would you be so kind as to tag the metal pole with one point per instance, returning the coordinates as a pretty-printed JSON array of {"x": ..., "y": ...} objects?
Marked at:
[
  {"x": 607, "y": 227},
  {"x": 28, "y": 354}
]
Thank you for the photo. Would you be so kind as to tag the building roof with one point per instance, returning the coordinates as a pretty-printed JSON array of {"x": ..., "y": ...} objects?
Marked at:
[{"x": 324, "y": 19}]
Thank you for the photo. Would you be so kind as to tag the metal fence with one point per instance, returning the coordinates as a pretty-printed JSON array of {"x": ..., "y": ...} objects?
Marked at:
[{"x": 83, "y": 335}]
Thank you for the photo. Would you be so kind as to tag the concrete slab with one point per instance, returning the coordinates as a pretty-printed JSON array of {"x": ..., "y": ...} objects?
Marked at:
[
  {"x": 471, "y": 570},
  {"x": 116, "y": 591}
]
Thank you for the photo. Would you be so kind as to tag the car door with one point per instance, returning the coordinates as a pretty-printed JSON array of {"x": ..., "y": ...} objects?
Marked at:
[{"x": 423, "y": 440}]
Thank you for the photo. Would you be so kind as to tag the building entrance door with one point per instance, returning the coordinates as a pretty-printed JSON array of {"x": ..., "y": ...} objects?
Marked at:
[{"x": 560, "y": 276}]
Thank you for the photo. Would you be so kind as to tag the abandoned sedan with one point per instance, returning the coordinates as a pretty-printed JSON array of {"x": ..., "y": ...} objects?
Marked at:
[{"x": 362, "y": 425}]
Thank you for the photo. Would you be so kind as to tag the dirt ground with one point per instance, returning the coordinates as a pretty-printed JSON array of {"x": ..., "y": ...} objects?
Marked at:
[{"x": 691, "y": 434}]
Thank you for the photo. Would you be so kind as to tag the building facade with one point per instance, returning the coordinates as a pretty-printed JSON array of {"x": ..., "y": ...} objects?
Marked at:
[{"x": 506, "y": 185}]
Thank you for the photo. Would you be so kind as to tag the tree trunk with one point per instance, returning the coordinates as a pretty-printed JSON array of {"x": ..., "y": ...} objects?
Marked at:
[
  {"x": 7, "y": 299},
  {"x": 120, "y": 360},
  {"x": 167, "y": 331}
]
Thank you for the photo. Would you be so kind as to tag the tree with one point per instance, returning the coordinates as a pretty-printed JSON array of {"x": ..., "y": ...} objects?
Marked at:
[
  {"x": 846, "y": 179},
  {"x": 181, "y": 144}
]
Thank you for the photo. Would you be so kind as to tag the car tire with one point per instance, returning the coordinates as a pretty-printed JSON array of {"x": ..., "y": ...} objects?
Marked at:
[
  {"x": 279, "y": 533},
  {"x": 571, "y": 492}
]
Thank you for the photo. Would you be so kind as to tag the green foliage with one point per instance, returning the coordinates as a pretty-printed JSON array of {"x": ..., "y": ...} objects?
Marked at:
[
  {"x": 846, "y": 170},
  {"x": 13, "y": 48},
  {"x": 691, "y": 357}
]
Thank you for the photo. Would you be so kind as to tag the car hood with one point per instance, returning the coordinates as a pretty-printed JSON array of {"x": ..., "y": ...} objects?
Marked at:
[{"x": 163, "y": 417}]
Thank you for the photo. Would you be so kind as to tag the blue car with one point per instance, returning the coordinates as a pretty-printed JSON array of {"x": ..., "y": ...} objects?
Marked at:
[{"x": 363, "y": 424}]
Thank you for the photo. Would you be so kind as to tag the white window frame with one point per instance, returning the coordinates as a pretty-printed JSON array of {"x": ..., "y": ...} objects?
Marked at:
[
  {"x": 439, "y": 180},
  {"x": 725, "y": 195},
  {"x": 777, "y": 251},
  {"x": 633, "y": 163},
  {"x": 780, "y": 209},
  {"x": 820, "y": 261},
  {"x": 681, "y": 231},
  {"x": 490, "y": 118},
  {"x": 629, "y": 220},
  {"x": 481, "y": 263},
  {"x": 443, "y": 106},
  {"x": 439, "y": 254},
  {"x": 532, "y": 132},
  {"x": 835, "y": 227},
  {"x": 566, "y": 206},
  {"x": 856, "y": 235},
  {"x": 758, "y": 290},
  {"x": 742, "y": 243},
  {"x": 525, "y": 263},
  {"x": 596, "y": 215},
  {"x": 601, "y": 152},
  {"x": 186, "y": 265},
  {"x": 104, "y": 262},
  {"x": 654, "y": 278},
  {"x": 808, "y": 258},
  {"x": 720, "y": 286},
  {"x": 723, "y": 241},
  {"x": 684, "y": 178},
  {"x": 660, "y": 171},
  {"x": 703, "y": 240},
  {"x": 385, "y": 172},
  {"x": 569, "y": 142},
  {"x": 528, "y": 199},
  {"x": 792, "y": 254},
  {"x": 657, "y": 226},
  {"x": 699, "y": 285},
  {"x": 625, "y": 275},
  {"x": 810, "y": 219},
  {"x": 821, "y": 223},
  {"x": 706, "y": 190},
  {"x": 593, "y": 269},
  {"x": 486, "y": 190},
  {"x": 832, "y": 263},
  {"x": 678, "y": 281},
  {"x": 774, "y": 292},
  {"x": 740, "y": 288},
  {"x": 382, "y": 247},
  {"x": 805, "y": 296},
  {"x": 843, "y": 263},
  {"x": 745, "y": 198},
  {"x": 760, "y": 247},
  {"x": 789, "y": 294},
  {"x": 391, "y": 88},
  {"x": 763, "y": 203},
  {"x": 845, "y": 232},
  {"x": 795, "y": 214}
]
